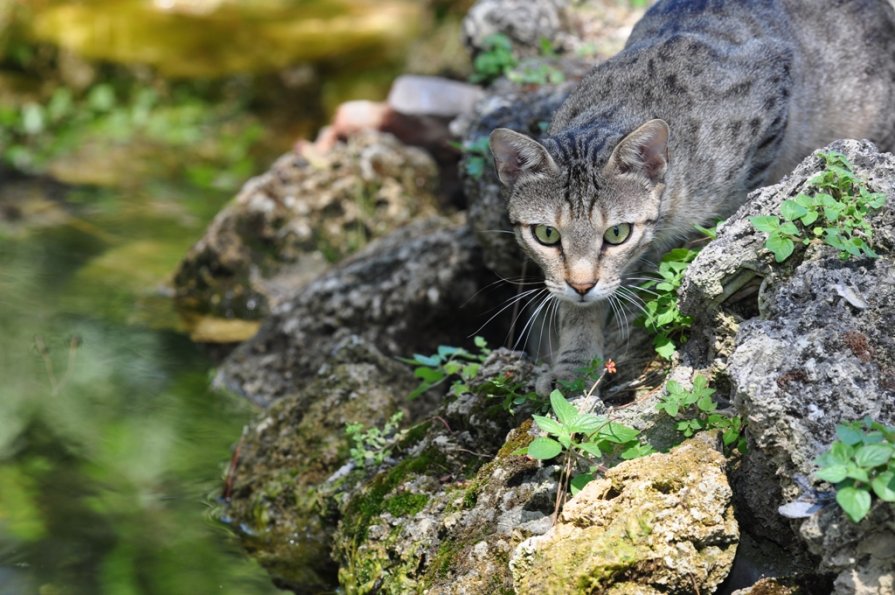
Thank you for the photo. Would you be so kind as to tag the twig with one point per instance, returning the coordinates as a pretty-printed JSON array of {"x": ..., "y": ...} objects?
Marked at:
[{"x": 44, "y": 353}]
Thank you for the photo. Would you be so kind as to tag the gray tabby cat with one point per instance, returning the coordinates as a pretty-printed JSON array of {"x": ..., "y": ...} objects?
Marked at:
[{"x": 708, "y": 100}]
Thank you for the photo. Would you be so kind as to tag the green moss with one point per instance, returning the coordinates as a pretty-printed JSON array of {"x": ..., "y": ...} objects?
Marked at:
[
  {"x": 366, "y": 506},
  {"x": 470, "y": 497},
  {"x": 518, "y": 438},
  {"x": 405, "y": 504}
]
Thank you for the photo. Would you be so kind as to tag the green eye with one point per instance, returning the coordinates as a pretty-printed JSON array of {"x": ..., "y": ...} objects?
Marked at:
[
  {"x": 546, "y": 235},
  {"x": 617, "y": 234}
]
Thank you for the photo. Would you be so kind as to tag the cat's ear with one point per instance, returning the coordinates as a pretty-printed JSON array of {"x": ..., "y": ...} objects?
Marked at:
[
  {"x": 517, "y": 156},
  {"x": 643, "y": 152}
]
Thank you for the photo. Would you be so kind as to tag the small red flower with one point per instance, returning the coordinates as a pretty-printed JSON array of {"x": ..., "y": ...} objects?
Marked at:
[{"x": 610, "y": 366}]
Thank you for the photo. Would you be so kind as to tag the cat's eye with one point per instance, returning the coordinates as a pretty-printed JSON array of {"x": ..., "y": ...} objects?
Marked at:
[
  {"x": 549, "y": 236},
  {"x": 617, "y": 234}
]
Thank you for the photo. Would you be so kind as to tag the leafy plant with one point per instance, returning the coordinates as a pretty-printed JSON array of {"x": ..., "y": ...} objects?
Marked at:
[
  {"x": 661, "y": 314},
  {"x": 836, "y": 213},
  {"x": 696, "y": 411},
  {"x": 860, "y": 464},
  {"x": 536, "y": 74},
  {"x": 495, "y": 61},
  {"x": 373, "y": 446},
  {"x": 476, "y": 154},
  {"x": 448, "y": 362},
  {"x": 585, "y": 436}
]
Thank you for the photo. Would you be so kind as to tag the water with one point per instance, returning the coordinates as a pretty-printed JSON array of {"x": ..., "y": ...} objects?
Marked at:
[{"x": 112, "y": 448}]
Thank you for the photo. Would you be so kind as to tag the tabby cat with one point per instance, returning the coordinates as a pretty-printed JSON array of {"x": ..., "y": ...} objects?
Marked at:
[{"x": 708, "y": 100}]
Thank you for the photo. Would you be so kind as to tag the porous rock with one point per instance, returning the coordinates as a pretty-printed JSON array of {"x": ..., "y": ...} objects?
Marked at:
[
  {"x": 408, "y": 292},
  {"x": 803, "y": 345},
  {"x": 445, "y": 518},
  {"x": 283, "y": 493},
  {"x": 660, "y": 524},
  {"x": 308, "y": 210}
]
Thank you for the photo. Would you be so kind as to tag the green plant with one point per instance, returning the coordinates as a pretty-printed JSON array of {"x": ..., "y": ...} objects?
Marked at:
[
  {"x": 373, "y": 446},
  {"x": 448, "y": 362},
  {"x": 539, "y": 74},
  {"x": 696, "y": 411},
  {"x": 476, "y": 153},
  {"x": 495, "y": 61},
  {"x": 584, "y": 437},
  {"x": 859, "y": 464},
  {"x": 661, "y": 314},
  {"x": 836, "y": 213}
]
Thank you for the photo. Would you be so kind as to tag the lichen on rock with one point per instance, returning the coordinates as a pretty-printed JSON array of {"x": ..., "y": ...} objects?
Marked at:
[{"x": 661, "y": 524}]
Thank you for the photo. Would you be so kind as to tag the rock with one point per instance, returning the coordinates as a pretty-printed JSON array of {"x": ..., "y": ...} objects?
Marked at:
[
  {"x": 661, "y": 524},
  {"x": 404, "y": 293},
  {"x": 524, "y": 22},
  {"x": 862, "y": 555},
  {"x": 802, "y": 346},
  {"x": 286, "y": 225},
  {"x": 446, "y": 517},
  {"x": 283, "y": 496},
  {"x": 414, "y": 95}
]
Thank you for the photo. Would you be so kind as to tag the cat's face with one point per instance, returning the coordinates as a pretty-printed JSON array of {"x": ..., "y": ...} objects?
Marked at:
[{"x": 585, "y": 226}]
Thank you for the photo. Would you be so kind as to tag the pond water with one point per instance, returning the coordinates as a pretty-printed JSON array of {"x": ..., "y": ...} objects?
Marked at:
[{"x": 113, "y": 450}]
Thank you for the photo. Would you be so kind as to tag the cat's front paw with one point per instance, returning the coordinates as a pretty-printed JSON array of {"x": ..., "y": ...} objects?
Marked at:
[{"x": 553, "y": 378}]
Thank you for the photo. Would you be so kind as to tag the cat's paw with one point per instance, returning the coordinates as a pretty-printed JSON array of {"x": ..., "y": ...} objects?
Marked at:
[{"x": 552, "y": 378}]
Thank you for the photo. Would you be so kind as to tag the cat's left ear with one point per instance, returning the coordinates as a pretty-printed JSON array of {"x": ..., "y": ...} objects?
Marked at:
[
  {"x": 517, "y": 156},
  {"x": 644, "y": 152}
]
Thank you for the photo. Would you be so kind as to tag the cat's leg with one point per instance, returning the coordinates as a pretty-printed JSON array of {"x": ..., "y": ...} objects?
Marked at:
[{"x": 581, "y": 340}]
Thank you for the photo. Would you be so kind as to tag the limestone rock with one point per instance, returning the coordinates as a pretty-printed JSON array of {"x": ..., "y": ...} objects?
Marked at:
[
  {"x": 802, "y": 345},
  {"x": 661, "y": 524},
  {"x": 288, "y": 224},
  {"x": 445, "y": 518},
  {"x": 408, "y": 292},
  {"x": 282, "y": 494}
]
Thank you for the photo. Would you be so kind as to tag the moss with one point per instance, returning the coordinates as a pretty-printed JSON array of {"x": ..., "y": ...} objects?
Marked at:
[
  {"x": 364, "y": 507},
  {"x": 405, "y": 504},
  {"x": 518, "y": 438}
]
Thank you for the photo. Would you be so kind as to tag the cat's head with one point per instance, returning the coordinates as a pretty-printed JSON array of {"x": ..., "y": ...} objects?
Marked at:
[{"x": 586, "y": 224}]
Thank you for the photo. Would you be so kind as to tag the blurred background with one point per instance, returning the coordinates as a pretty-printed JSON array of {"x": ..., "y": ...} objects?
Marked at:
[{"x": 125, "y": 125}]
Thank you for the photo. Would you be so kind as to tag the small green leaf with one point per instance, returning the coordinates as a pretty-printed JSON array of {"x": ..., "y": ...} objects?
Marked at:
[
  {"x": 551, "y": 426},
  {"x": 857, "y": 473},
  {"x": 765, "y": 223},
  {"x": 781, "y": 247},
  {"x": 840, "y": 453},
  {"x": 591, "y": 448},
  {"x": 849, "y": 435},
  {"x": 565, "y": 411},
  {"x": 544, "y": 448},
  {"x": 854, "y": 501},
  {"x": 873, "y": 455},
  {"x": 884, "y": 486},
  {"x": 792, "y": 210},
  {"x": 664, "y": 346},
  {"x": 618, "y": 433},
  {"x": 587, "y": 423},
  {"x": 427, "y": 360}
]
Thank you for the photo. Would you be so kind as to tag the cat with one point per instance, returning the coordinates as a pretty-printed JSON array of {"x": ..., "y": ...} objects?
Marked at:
[{"x": 708, "y": 100}]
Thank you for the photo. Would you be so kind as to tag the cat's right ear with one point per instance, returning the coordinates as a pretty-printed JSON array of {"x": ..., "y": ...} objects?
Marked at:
[{"x": 517, "y": 156}]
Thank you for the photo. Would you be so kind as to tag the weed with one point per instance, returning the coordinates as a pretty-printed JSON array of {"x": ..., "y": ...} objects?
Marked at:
[
  {"x": 495, "y": 61},
  {"x": 448, "y": 362},
  {"x": 696, "y": 411},
  {"x": 373, "y": 446},
  {"x": 498, "y": 60},
  {"x": 476, "y": 153},
  {"x": 859, "y": 464},
  {"x": 661, "y": 314},
  {"x": 836, "y": 213}
]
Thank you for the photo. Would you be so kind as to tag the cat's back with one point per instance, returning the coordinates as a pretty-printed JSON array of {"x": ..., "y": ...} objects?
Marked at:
[{"x": 765, "y": 81}]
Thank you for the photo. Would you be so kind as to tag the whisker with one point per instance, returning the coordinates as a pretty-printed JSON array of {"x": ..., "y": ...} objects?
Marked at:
[
  {"x": 517, "y": 313},
  {"x": 528, "y": 324},
  {"x": 508, "y": 304}
]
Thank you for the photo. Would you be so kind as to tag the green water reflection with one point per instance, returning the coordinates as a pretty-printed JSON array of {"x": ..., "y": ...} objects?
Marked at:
[{"x": 111, "y": 446}]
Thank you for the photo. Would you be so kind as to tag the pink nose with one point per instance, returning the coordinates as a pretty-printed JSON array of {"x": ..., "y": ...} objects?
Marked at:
[{"x": 581, "y": 288}]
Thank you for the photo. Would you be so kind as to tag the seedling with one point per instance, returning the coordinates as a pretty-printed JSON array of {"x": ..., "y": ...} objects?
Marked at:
[
  {"x": 860, "y": 464},
  {"x": 696, "y": 411},
  {"x": 835, "y": 214}
]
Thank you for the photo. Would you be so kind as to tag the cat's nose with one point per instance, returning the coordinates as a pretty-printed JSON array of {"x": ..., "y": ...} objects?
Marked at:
[{"x": 581, "y": 288}]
